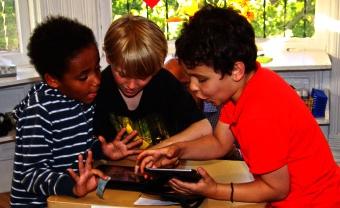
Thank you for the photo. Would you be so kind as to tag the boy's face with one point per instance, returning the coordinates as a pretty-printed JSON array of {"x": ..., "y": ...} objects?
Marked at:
[
  {"x": 208, "y": 85},
  {"x": 130, "y": 87},
  {"x": 82, "y": 79}
]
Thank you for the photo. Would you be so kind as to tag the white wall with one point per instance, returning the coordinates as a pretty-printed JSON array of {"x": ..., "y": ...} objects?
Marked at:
[{"x": 329, "y": 27}]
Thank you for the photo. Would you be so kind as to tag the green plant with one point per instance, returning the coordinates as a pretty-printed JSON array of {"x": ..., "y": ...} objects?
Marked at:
[
  {"x": 8, "y": 27},
  {"x": 269, "y": 18}
]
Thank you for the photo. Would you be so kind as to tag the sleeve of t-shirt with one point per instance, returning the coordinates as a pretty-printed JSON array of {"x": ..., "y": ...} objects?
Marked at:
[
  {"x": 34, "y": 135},
  {"x": 264, "y": 143},
  {"x": 227, "y": 111}
]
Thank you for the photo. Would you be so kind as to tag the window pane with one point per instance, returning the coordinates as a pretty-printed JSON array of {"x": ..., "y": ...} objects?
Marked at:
[
  {"x": 304, "y": 17},
  {"x": 283, "y": 18},
  {"x": 269, "y": 18},
  {"x": 159, "y": 14},
  {"x": 8, "y": 26}
]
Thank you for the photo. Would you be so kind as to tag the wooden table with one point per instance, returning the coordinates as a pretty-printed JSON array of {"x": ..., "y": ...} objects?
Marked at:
[{"x": 224, "y": 171}]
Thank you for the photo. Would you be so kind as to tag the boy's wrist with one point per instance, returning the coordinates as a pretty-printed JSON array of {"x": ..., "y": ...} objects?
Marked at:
[
  {"x": 219, "y": 192},
  {"x": 75, "y": 192},
  {"x": 65, "y": 186}
]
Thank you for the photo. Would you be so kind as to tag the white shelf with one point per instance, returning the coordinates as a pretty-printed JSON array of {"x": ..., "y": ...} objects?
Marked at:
[
  {"x": 323, "y": 121},
  {"x": 312, "y": 60},
  {"x": 25, "y": 74},
  {"x": 9, "y": 138}
]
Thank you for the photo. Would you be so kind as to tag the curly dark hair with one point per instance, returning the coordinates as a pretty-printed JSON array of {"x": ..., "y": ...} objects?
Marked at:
[
  {"x": 55, "y": 42},
  {"x": 217, "y": 38}
]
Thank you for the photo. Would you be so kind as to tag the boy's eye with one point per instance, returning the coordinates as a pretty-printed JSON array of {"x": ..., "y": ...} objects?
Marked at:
[
  {"x": 121, "y": 74},
  {"x": 202, "y": 80},
  {"x": 83, "y": 77}
]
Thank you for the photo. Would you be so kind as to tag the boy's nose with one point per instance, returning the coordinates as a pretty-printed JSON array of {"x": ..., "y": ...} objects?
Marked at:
[
  {"x": 192, "y": 86},
  {"x": 131, "y": 84},
  {"x": 96, "y": 80}
]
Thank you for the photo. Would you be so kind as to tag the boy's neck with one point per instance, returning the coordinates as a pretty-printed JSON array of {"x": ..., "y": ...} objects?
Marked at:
[
  {"x": 132, "y": 103},
  {"x": 243, "y": 85}
]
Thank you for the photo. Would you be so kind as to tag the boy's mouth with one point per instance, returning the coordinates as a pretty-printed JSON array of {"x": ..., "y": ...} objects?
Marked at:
[
  {"x": 129, "y": 93},
  {"x": 92, "y": 95}
]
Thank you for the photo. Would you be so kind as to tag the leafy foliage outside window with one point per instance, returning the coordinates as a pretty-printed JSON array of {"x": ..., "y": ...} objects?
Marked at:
[
  {"x": 8, "y": 26},
  {"x": 269, "y": 18},
  {"x": 285, "y": 18},
  {"x": 159, "y": 14}
]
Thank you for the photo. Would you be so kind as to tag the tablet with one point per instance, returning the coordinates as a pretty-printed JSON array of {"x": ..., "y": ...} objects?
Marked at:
[
  {"x": 124, "y": 177},
  {"x": 187, "y": 175}
]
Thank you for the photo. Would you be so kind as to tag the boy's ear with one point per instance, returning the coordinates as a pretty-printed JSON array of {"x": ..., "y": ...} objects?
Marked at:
[
  {"x": 51, "y": 81},
  {"x": 238, "y": 71}
]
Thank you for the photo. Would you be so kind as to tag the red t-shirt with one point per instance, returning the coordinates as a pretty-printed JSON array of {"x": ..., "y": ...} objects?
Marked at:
[{"x": 275, "y": 128}]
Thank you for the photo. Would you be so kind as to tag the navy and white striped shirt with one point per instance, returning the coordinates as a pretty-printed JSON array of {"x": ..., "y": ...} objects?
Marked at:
[{"x": 52, "y": 130}]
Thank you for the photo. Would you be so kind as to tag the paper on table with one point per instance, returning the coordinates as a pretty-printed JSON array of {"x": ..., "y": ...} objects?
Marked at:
[
  {"x": 152, "y": 200},
  {"x": 103, "y": 206}
]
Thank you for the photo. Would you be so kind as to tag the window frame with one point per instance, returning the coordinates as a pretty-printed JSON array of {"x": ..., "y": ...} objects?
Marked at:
[
  {"x": 24, "y": 20},
  {"x": 29, "y": 12}
]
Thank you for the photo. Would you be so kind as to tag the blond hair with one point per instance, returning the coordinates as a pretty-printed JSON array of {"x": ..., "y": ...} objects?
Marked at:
[{"x": 136, "y": 45}]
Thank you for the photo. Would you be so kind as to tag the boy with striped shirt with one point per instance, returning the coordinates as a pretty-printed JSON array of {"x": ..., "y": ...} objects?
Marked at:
[{"x": 54, "y": 121}]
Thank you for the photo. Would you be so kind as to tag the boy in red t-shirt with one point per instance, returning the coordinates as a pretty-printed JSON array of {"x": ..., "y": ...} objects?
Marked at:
[{"x": 281, "y": 142}]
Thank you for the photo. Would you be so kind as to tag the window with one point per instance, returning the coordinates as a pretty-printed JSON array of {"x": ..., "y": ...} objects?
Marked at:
[
  {"x": 270, "y": 18},
  {"x": 8, "y": 26},
  {"x": 17, "y": 21}
]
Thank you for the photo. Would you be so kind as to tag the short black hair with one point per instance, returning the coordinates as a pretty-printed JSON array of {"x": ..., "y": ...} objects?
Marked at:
[
  {"x": 217, "y": 37},
  {"x": 55, "y": 42}
]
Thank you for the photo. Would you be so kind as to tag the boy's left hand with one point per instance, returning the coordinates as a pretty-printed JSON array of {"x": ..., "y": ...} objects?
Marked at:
[
  {"x": 121, "y": 148},
  {"x": 87, "y": 180},
  {"x": 204, "y": 187}
]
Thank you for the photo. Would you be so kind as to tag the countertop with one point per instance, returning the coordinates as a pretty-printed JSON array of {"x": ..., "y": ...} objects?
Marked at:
[
  {"x": 25, "y": 74},
  {"x": 299, "y": 61},
  {"x": 282, "y": 61}
]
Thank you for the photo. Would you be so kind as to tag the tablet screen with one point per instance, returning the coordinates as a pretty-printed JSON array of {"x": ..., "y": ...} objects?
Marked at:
[{"x": 121, "y": 173}]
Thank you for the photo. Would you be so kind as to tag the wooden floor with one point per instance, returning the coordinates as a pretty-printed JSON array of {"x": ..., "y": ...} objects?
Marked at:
[{"x": 4, "y": 200}]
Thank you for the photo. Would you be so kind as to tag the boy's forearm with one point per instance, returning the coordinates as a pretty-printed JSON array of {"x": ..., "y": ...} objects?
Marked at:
[
  {"x": 48, "y": 183},
  {"x": 194, "y": 131},
  {"x": 65, "y": 186},
  {"x": 192, "y": 150}
]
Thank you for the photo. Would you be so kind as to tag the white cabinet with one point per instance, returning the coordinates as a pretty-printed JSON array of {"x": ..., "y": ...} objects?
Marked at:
[
  {"x": 12, "y": 91},
  {"x": 6, "y": 164},
  {"x": 10, "y": 96},
  {"x": 306, "y": 70}
]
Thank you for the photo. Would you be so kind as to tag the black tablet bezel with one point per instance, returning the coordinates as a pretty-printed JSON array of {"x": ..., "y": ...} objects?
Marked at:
[{"x": 187, "y": 175}]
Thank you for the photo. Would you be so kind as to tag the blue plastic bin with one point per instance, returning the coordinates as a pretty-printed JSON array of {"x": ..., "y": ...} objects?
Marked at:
[{"x": 319, "y": 103}]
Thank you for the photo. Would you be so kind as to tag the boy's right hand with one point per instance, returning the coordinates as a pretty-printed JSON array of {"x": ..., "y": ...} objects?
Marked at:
[
  {"x": 156, "y": 158},
  {"x": 120, "y": 148},
  {"x": 87, "y": 180}
]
